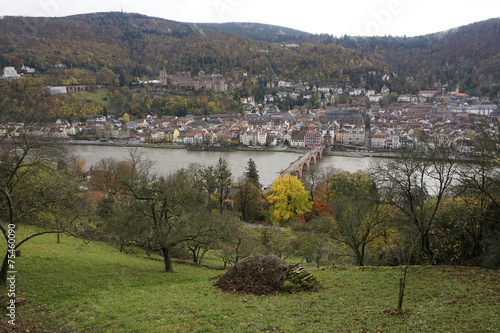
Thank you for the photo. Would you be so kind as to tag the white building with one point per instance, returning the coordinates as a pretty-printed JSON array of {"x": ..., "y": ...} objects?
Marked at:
[
  {"x": 10, "y": 73},
  {"x": 56, "y": 90},
  {"x": 353, "y": 134}
]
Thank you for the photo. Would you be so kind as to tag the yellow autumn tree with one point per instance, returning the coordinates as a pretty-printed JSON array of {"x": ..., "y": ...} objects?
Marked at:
[{"x": 288, "y": 197}]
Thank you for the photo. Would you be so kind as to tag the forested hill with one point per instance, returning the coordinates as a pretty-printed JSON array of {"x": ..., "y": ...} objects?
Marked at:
[
  {"x": 265, "y": 32},
  {"x": 132, "y": 45},
  {"x": 102, "y": 47},
  {"x": 467, "y": 57}
]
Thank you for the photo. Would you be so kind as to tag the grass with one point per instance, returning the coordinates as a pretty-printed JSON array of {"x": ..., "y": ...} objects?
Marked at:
[
  {"x": 73, "y": 287},
  {"x": 98, "y": 97}
]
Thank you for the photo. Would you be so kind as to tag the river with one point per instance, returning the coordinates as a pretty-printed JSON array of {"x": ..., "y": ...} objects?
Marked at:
[{"x": 269, "y": 163}]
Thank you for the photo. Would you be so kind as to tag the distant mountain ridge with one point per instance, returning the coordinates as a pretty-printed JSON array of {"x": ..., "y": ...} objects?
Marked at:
[
  {"x": 134, "y": 45},
  {"x": 139, "y": 46},
  {"x": 465, "y": 57},
  {"x": 258, "y": 31}
]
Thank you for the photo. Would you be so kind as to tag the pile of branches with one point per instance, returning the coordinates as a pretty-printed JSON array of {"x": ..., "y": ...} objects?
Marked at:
[{"x": 265, "y": 275}]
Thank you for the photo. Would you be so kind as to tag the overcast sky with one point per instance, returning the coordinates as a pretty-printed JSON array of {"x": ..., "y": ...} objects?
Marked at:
[{"x": 351, "y": 17}]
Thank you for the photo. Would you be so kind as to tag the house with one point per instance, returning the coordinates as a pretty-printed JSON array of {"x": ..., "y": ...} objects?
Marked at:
[
  {"x": 427, "y": 93},
  {"x": 210, "y": 138},
  {"x": 253, "y": 137},
  {"x": 312, "y": 138},
  {"x": 28, "y": 69},
  {"x": 375, "y": 98},
  {"x": 297, "y": 139},
  {"x": 282, "y": 94},
  {"x": 357, "y": 92},
  {"x": 247, "y": 139},
  {"x": 10, "y": 73},
  {"x": 262, "y": 138},
  {"x": 353, "y": 134},
  {"x": 193, "y": 138},
  {"x": 94, "y": 119},
  {"x": 157, "y": 136},
  {"x": 378, "y": 140},
  {"x": 270, "y": 108},
  {"x": 271, "y": 140},
  {"x": 408, "y": 99},
  {"x": 171, "y": 134},
  {"x": 284, "y": 84},
  {"x": 268, "y": 98}
]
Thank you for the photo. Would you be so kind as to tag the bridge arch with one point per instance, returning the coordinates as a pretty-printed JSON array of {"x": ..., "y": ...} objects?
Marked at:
[{"x": 304, "y": 162}]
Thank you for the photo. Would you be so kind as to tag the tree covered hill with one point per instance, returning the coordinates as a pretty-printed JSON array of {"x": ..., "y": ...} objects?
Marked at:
[
  {"x": 264, "y": 32},
  {"x": 105, "y": 48},
  {"x": 120, "y": 45},
  {"x": 467, "y": 57}
]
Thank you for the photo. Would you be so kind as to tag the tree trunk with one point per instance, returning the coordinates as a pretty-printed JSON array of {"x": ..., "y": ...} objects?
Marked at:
[
  {"x": 4, "y": 269},
  {"x": 425, "y": 247},
  {"x": 359, "y": 256},
  {"x": 166, "y": 259},
  {"x": 402, "y": 286},
  {"x": 194, "y": 254}
]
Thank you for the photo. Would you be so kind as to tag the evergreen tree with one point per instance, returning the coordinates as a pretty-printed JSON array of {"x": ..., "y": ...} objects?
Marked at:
[{"x": 251, "y": 174}]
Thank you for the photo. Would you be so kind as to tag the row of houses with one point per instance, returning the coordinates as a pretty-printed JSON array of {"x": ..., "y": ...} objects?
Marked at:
[{"x": 390, "y": 127}]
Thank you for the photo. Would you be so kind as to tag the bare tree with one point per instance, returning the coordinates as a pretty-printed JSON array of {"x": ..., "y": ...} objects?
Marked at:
[
  {"x": 164, "y": 203},
  {"x": 211, "y": 228},
  {"x": 34, "y": 188},
  {"x": 416, "y": 184}
]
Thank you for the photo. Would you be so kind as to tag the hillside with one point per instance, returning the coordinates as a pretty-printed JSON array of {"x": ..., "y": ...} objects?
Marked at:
[
  {"x": 467, "y": 57},
  {"x": 73, "y": 287},
  {"x": 262, "y": 32},
  {"x": 132, "y": 45},
  {"x": 105, "y": 48}
]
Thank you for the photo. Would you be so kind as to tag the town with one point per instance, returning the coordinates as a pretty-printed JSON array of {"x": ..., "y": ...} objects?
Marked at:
[{"x": 370, "y": 120}]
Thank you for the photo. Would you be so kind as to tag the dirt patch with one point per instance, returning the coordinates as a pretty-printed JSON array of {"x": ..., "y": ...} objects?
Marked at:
[{"x": 265, "y": 275}]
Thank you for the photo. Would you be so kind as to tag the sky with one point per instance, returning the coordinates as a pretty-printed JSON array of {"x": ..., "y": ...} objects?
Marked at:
[{"x": 360, "y": 18}]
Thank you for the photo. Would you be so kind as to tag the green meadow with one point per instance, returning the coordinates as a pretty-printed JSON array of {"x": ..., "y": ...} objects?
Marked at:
[{"x": 76, "y": 287}]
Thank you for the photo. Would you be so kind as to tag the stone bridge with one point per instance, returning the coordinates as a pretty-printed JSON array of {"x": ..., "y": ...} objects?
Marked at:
[{"x": 304, "y": 162}]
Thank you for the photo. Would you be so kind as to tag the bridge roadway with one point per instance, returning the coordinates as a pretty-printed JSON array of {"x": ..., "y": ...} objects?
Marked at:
[{"x": 304, "y": 162}]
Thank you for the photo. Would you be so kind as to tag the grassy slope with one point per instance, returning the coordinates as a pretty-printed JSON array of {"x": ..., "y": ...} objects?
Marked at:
[
  {"x": 96, "y": 97},
  {"x": 73, "y": 287}
]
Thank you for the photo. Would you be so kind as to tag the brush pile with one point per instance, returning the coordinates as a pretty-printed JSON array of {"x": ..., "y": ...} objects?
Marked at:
[{"x": 266, "y": 275}]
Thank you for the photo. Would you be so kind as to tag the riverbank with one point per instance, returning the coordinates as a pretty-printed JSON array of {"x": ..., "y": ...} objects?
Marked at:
[{"x": 280, "y": 149}]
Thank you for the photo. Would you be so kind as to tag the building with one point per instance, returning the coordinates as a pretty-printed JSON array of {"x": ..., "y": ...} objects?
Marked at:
[
  {"x": 353, "y": 135},
  {"x": 253, "y": 137},
  {"x": 384, "y": 141},
  {"x": 312, "y": 139},
  {"x": 184, "y": 81},
  {"x": 296, "y": 139},
  {"x": 428, "y": 93},
  {"x": 344, "y": 117},
  {"x": 10, "y": 73}
]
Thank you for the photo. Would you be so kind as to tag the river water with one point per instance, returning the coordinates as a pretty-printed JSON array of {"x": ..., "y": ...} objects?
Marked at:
[{"x": 269, "y": 163}]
